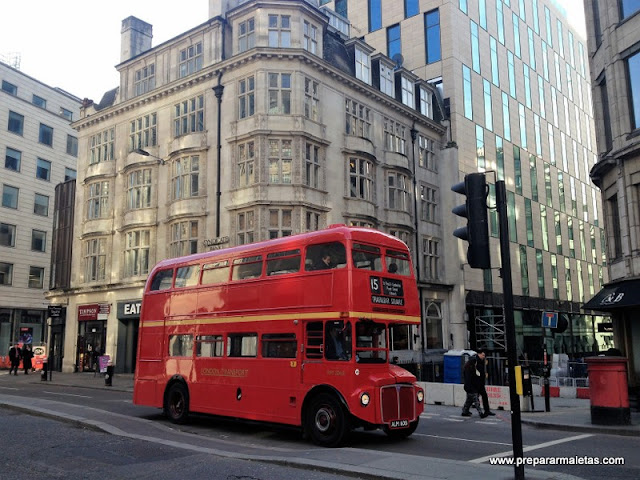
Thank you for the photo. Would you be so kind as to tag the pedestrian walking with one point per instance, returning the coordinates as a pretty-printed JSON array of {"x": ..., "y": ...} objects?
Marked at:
[
  {"x": 471, "y": 384},
  {"x": 481, "y": 364},
  {"x": 27, "y": 355},
  {"x": 14, "y": 358}
]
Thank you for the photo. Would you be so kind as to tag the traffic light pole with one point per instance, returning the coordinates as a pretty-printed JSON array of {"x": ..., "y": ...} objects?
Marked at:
[{"x": 505, "y": 257}]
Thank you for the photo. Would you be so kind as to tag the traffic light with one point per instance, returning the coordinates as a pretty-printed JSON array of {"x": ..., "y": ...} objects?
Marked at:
[{"x": 474, "y": 210}]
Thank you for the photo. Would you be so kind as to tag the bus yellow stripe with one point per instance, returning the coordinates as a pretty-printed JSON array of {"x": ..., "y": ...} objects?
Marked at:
[{"x": 284, "y": 316}]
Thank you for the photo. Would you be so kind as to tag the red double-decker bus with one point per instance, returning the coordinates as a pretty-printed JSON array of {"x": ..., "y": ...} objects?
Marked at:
[{"x": 293, "y": 330}]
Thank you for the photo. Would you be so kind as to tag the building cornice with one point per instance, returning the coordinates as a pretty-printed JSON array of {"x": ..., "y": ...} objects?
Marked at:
[{"x": 255, "y": 55}]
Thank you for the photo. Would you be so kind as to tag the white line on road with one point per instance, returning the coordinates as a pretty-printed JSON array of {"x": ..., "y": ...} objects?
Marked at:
[
  {"x": 8, "y": 388},
  {"x": 459, "y": 439},
  {"x": 67, "y": 394},
  {"x": 532, "y": 447}
]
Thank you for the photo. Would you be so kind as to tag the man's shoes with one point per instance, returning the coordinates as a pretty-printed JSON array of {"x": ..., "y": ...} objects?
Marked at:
[
  {"x": 484, "y": 415},
  {"x": 490, "y": 413},
  {"x": 466, "y": 414}
]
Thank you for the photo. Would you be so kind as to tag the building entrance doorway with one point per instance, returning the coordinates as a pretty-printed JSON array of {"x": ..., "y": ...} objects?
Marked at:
[{"x": 91, "y": 341}]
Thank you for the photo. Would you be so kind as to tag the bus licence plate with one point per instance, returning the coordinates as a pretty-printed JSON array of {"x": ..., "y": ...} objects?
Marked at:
[{"x": 399, "y": 424}]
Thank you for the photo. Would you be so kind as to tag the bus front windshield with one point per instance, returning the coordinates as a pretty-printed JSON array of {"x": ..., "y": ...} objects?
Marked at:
[{"x": 371, "y": 342}]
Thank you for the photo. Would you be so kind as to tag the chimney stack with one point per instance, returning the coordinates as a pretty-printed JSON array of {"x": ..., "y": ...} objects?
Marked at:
[{"x": 135, "y": 38}]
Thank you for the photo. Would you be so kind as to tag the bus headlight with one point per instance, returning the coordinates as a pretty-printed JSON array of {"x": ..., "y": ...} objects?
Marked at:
[
  {"x": 420, "y": 396},
  {"x": 365, "y": 399}
]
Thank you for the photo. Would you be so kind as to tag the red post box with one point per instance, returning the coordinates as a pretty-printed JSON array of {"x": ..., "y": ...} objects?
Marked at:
[{"x": 609, "y": 390}]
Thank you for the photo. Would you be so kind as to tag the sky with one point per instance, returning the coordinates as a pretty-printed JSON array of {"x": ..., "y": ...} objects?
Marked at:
[{"x": 75, "y": 44}]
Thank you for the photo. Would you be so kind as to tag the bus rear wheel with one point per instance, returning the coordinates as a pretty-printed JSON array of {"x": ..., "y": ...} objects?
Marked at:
[
  {"x": 401, "y": 432},
  {"x": 326, "y": 421},
  {"x": 176, "y": 403}
]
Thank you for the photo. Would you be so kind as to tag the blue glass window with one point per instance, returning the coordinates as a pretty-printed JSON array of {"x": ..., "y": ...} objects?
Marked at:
[
  {"x": 547, "y": 21},
  {"x": 523, "y": 126},
  {"x": 375, "y": 15},
  {"x": 341, "y": 7},
  {"x": 516, "y": 35},
  {"x": 532, "y": 49},
  {"x": 506, "y": 119},
  {"x": 466, "y": 89},
  {"x": 495, "y": 76},
  {"x": 629, "y": 7},
  {"x": 633, "y": 64},
  {"x": 527, "y": 85},
  {"x": 500, "y": 20},
  {"x": 475, "y": 47},
  {"x": 560, "y": 39},
  {"x": 432, "y": 35},
  {"x": 411, "y": 8},
  {"x": 393, "y": 41},
  {"x": 512, "y": 74},
  {"x": 482, "y": 13},
  {"x": 488, "y": 110}
]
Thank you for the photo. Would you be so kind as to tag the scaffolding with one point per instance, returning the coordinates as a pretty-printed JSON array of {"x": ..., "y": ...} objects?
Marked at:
[{"x": 491, "y": 332}]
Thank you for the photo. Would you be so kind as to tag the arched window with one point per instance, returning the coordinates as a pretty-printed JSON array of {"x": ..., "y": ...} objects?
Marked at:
[{"x": 433, "y": 324}]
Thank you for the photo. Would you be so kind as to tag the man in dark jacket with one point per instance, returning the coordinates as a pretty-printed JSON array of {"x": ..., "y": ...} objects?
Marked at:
[
  {"x": 471, "y": 384},
  {"x": 14, "y": 358},
  {"x": 482, "y": 391}
]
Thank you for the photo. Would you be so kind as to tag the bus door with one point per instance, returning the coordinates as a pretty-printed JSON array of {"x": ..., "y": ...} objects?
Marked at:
[
  {"x": 327, "y": 350},
  {"x": 279, "y": 387}
]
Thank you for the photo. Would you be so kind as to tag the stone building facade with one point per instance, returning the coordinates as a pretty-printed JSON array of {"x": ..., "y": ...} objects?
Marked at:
[
  {"x": 614, "y": 54},
  {"x": 264, "y": 121}
]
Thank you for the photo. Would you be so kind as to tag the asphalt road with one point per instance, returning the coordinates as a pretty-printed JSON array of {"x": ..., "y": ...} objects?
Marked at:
[
  {"x": 442, "y": 433},
  {"x": 36, "y": 448}
]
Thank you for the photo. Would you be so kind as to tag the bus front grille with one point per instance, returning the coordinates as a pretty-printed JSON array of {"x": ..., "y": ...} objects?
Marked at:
[{"x": 398, "y": 403}]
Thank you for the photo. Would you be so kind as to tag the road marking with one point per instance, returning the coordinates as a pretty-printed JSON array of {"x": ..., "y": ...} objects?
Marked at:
[
  {"x": 459, "y": 439},
  {"x": 8, "y": 388},
  {"x": 532, "y": 447},
  {"x": 67, "y": 394},
  {"x": 453, "y": 419}
]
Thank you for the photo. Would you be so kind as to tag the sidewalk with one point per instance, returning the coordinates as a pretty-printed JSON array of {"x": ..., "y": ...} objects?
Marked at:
[
  {"x": 565, "y": 414},
  {"x": 574, "y": 414}
]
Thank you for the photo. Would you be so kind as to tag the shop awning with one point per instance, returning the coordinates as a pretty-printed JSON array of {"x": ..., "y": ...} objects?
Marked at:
[{"x": 623, "y": 294}]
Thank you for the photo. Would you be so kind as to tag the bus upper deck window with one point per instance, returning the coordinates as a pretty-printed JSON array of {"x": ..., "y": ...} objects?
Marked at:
[
  {"x": 187, "y": 276},
  {"x": 162, "y": 280},
  {"x": 397, "y": 262},
  {"x": 325, "y": 256},
  {"x": 247, "y": 267},
  {"x": 279, "y": 263},
  {"x": 367, "y": 257},
  {"x": 217, "y": 272}
]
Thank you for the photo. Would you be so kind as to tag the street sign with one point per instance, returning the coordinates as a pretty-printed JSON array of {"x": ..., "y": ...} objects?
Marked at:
[{"x": 550, "y": 319}]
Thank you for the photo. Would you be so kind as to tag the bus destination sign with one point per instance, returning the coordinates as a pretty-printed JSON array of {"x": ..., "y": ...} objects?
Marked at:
[{"x": 386, "y": 291}]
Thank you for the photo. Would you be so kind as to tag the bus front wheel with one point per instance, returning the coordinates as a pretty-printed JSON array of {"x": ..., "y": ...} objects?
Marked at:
[
  {"x": 176, "y": 404},
  {"x": 326, "y": 421}
]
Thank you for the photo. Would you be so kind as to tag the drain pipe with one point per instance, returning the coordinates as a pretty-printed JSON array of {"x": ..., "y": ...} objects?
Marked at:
[
  {"x": 218, "y": 89},
  {"x": 414, "y": 136}
]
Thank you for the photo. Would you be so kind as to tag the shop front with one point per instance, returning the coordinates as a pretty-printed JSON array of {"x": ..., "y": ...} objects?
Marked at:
[
  {"x": 128, "y": 321},
  {"x": 92, "y": 334},
  {"x": 22, "y": 327}
]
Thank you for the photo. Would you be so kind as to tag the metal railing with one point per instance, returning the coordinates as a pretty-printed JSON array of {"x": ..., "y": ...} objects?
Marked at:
[{"x": 571, "y": 374}]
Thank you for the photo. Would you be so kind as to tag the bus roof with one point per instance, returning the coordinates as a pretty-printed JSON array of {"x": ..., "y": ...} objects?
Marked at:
[{"x": 332, "y": 233}]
